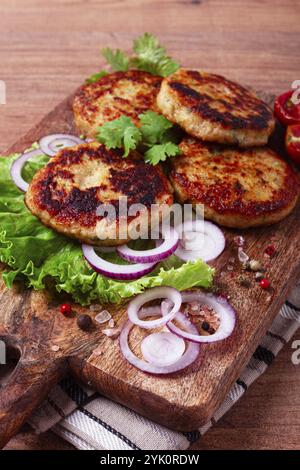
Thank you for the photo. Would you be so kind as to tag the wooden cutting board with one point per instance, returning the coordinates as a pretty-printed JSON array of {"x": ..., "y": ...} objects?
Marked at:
[{"x": 50, "y": 345}]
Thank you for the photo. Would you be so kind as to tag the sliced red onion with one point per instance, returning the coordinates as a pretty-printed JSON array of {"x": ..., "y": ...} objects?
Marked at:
[
  {"x": 222, "y": 308},
  {"x": 207, "y": 243},
  {"x": 189, "y": 356},
  {"x": 115, "y": 271},
  {"x": 153, "y": 311},
  {"x": 51, "y": 144},
  {"x": 152, "y": 294},
  {"x": 162, "y": 349},
  {"x": 163, "y": 251},
  {"x": 17, "y": 167}
]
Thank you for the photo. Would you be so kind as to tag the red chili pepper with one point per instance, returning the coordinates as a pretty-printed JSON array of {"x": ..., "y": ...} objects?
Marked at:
[
  {"x": 270, "y": 250},
  {"x": 264, "y": 283},
  {"x": 292, "y": 142},
  {"x": 285, "y": 110},
  {"x": 66, "y": 309}
]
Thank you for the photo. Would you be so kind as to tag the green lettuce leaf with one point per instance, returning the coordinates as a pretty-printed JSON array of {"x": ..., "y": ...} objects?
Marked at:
[{"x": 41, "y": 257}]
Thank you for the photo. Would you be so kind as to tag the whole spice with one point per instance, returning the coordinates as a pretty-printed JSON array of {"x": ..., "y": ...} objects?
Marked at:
[
  {"x": 66, "y": 309},
  {"x": 270, "y": 250},
  {"x": 255, "y": 265},
  {"x": 204, "y": 316},
  {"x": 84, "y": 322},
  {"x": 264, "y": 283}
]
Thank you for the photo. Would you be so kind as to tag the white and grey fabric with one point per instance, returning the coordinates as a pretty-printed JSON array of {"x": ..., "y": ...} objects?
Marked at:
[{"x": 92, "y": 422}]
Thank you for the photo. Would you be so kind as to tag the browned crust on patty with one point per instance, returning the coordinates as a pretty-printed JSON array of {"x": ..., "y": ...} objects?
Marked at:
[
  {"x": 213, "y": 108},
  {"x": 239, "y": 187},
  {"x": 66, "y": 193},
  {"x": 120, "y": 93}
]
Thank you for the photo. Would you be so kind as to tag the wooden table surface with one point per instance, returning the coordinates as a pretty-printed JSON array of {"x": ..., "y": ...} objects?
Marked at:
[{"x": 48, "y": 48}]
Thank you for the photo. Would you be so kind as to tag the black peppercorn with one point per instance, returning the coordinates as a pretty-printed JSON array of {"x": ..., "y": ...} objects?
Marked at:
[{"x": 84, "y": 322}]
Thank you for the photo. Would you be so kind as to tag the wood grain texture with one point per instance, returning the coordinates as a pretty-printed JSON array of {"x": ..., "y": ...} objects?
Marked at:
[
  {"x": 260, "y": 420},
  {"x": 255, "y": 42}
]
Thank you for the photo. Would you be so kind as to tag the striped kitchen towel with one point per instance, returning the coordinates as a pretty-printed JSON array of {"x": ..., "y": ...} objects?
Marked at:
[{"x": 92, "y": 422}]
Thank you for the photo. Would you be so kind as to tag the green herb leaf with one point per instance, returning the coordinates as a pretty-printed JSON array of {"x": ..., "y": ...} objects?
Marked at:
[
  {"x": 120, "y": 133},
  {"x": 117, "y": 59},
  {"x": 160, "y": 152},
  {"x": 147, "y": 47},
  {"x": 163, "y": 68},
  {"x": 156, "y": 133},
  {"x": 151, "y": 56},
  {"x": 94, "y": 78},
  {"x": 153, "y": 127}
]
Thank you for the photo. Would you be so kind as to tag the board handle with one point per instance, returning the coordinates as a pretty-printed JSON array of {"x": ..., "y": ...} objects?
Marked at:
[{"x": 25, "y": 389}]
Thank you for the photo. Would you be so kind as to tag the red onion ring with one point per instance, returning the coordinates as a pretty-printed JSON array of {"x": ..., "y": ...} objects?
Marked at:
[
  {"x": 115, "y": 271},
  {"x": 51, "y": 144},
  {"x": 163, "y": 251},
  {"x": 162, "y": 348},
  {"x": 17, "y": 167},
  {"x": 135, "y": 305},
  {"x": 213, "y": 241},
  {"x": 222, "y": 308},
  {"x": 189, "y": 356}
]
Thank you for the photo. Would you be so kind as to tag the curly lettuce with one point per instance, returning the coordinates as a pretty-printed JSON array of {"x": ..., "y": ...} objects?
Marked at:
[{"x": 40, "y": 256}]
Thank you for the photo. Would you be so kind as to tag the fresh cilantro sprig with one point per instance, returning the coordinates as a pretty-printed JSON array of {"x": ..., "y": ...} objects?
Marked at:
[
  {"x": 154, "y": 136},
  {"x": 160, "y": 152},
  {"x": 148, "y": 56},
  {"x": 151, "y": 56},
  {"x": 117, "y": 59},
  {"x": 120, "y": 133},
  {"x": 153, "y": 127}
]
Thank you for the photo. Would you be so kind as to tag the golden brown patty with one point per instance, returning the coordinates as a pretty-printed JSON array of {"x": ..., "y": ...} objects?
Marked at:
[
  {"x": 239, "y": 187},
  {"x": 215, "y": 109},
  {"x": 66, "y": 193},
  {"x": 120, "y": 93}
]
